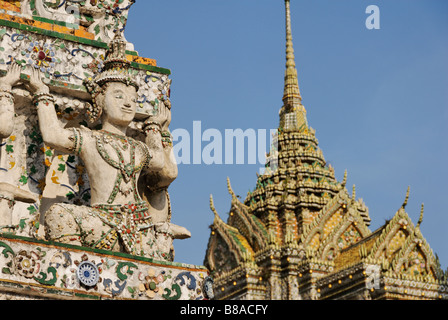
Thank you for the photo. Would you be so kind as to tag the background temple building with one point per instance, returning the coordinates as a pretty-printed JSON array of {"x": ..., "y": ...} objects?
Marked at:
[
  {"x": 301, "y": 235},
  {"x": 68, "y": 42}
]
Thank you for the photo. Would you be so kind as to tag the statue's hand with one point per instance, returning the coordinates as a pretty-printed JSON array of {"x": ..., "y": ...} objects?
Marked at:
[
  {"x": 162, "y": 116},
  {"x": 12, "y": 77},
  {"x": 167, "y": 117},
  {"x": 36, "y": 84}
]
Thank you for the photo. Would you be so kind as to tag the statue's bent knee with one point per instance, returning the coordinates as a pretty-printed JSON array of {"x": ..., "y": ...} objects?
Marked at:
[{"x": 61, "y": 226}]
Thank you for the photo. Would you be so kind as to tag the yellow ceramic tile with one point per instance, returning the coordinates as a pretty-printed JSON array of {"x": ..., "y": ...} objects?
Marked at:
[{"x": 10, "y": 5}]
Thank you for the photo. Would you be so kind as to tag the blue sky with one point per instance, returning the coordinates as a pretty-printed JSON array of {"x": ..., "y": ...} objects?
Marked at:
[{"x": 378, "y": 99}]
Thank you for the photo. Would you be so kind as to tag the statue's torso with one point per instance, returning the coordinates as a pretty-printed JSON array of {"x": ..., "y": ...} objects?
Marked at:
[{"x": 113, "y": 164}]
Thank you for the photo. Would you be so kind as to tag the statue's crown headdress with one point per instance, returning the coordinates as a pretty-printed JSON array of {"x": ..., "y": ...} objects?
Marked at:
[{"x": 116, "y": 68}]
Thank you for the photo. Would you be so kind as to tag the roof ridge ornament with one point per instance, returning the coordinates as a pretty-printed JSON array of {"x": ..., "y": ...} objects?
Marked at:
[
  {"x": 344, "y": 181},
  {"x": 229, "y": 188},
  {"x": 420, "y": 220},
  {"x": 212, "y": 206},
  {"x": 405, "y": 203},
  {"x": 354, "y": 194}
]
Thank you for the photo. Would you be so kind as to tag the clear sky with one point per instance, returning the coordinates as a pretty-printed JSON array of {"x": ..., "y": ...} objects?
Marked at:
[{"x": 378, "y": 99}]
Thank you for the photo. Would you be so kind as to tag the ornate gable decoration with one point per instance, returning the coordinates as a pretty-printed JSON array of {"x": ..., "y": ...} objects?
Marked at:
[
  {"x": 247, "y": 223},
  {"x": 227, "y": 238},
  {"x": 404, "y": 251},
  {"x": 339, "y": 225}
]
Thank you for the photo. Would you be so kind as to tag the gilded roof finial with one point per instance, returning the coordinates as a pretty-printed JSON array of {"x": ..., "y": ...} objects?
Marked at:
[
  {"x": 420, "y": 220},
  {"x": 229, "y": 187},
  {"x": 291, "y": 94},
  {"x": 405, "y": 203},
  {"x": 212, "y": 206},
  {"x": 344, "y": 181},
  {"x": 354, "y": 194},
  {"x": 218, "y": 223}
]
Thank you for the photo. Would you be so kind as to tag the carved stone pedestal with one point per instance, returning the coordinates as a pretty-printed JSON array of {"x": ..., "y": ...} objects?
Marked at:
[{"x": 40, "y": 270}]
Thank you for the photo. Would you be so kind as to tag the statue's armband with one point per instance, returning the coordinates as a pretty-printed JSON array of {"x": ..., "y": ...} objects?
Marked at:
[
  {"x": 77, "y": 140},
  {"x": 147, "y": 155}
]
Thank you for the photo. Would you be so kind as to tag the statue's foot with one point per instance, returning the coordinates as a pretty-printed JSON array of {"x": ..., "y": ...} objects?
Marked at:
[{"x": 179, "y": 232}]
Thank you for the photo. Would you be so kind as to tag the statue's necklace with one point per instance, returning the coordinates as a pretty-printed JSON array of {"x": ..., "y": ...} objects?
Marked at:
[{"x": 126, "y": 171}]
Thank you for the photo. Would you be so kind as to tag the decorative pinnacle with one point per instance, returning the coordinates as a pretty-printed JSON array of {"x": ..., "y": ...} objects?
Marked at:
[
  {"x": 354, "y": 194},
  {"x": 420, "y": 220},
  {"x": 344, "y": 181},
  {"x": 212, "y": 206},
  {"x": 218, "y": 222},
  {"x": 291, "y": 94},
  {"x": 405, "y": 203},
  {"x": 229, "y": 187}
]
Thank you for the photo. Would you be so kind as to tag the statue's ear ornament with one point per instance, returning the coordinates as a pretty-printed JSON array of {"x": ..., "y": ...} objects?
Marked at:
[{"x": 94, "y": 111}]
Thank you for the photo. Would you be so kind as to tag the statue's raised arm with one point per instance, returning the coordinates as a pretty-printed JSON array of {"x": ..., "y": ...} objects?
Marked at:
[
  {"x": 9, "y": 194},
  {"x": 7, "y": 100},
  {"x": 53, "y": 134},
  {"x": 154, "y": 183}
]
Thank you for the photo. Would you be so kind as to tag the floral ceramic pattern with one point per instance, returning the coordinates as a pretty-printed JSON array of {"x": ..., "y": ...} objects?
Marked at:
[
  {"x": 41, "y": 56},
  {"x": 31, "y": 265},
  {"x": 69, "y": 63}
]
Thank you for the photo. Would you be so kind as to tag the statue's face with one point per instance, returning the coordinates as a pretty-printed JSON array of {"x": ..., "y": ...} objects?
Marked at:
[{"x": 120, "y": 103}]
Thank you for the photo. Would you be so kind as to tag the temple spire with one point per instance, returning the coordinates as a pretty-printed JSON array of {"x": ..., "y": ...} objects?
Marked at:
[
  {"x": 293, "y": 113},
  {"x": 291, "y": 96}
]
